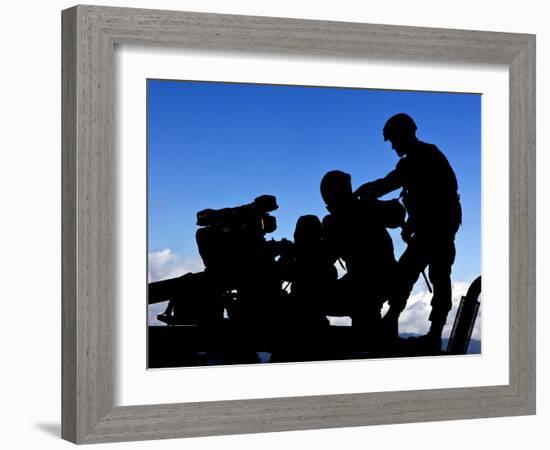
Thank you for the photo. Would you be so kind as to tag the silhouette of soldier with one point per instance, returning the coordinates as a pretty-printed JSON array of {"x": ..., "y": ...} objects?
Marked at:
[
  {"x": 312, "y": 271},
  {"x": 355, "y": 231},
  {"x": 310, "y": 268},
  {"x": 429, "y": 193}
]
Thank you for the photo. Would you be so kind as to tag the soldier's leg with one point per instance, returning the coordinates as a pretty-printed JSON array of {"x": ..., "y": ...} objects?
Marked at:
[
  {"x": 365, "y": 314},
  {"x": 413, "y": 261},
  {"x": 364, "y": 295},
  {"x": 338, "y": 299},
  {"x": 442, "y": 252},
  {"x": 443, "y": 256},
  {"x": 408, "y": 268}
]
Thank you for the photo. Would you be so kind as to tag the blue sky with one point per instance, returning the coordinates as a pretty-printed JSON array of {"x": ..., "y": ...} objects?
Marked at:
[{"x": 213, "y": 145}]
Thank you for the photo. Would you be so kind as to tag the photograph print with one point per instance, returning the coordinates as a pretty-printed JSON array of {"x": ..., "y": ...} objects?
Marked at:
[{"x": 305, "y": 223}]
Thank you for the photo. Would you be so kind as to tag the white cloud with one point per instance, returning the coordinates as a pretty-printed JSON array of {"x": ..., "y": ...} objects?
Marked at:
[
  {"x": 344, "y": 321},
  {"x": 340, "y": 268},
  {"x": 165, "y": 264},
  {"x": 414, "y": 318},
  {"x": 153, "y": 311}
]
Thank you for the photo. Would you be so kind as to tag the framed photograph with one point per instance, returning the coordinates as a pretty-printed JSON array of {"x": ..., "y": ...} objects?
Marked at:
[{"x": 278, "y": 224}]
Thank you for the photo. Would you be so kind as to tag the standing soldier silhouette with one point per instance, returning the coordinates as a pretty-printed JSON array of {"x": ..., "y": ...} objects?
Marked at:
[{"x": 430, "y": 196}]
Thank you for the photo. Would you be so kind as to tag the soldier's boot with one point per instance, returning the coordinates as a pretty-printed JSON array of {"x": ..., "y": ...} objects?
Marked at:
[{"x": 428, "y": 344}]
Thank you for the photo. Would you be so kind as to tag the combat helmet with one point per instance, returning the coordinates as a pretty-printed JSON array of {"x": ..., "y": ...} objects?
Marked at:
[{"x": 399, "y": 125}]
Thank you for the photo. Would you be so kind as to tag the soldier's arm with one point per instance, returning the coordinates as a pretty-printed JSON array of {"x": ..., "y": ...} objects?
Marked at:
[
  {"x": 380, "y": 187},
  {"x": 391, "y": 213}
]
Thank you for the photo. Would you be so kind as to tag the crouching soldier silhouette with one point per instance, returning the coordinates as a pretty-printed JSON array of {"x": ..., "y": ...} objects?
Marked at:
[
  {"x": 355, "y": 231},
  {"x": 430, "y": 195},
  {"x": 309, "y": 267}
]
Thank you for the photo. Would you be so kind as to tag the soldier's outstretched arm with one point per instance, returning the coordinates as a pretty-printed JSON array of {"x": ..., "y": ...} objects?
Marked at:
[{"x": 380, "y": 187}]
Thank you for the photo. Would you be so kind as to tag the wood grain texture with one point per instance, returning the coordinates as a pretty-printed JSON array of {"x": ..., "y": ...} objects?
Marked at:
[
  {"x": 68, "y": 226},
  {"x": 523, "y": 224},
  {"x": 89, "y": 36}
]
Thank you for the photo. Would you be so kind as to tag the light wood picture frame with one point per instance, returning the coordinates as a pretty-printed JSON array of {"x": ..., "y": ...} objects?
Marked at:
[{"x": 90, "y": 34}]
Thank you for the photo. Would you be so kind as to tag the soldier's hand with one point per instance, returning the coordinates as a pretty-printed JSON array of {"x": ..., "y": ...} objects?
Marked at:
[{"x": 366, "y": 191}]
